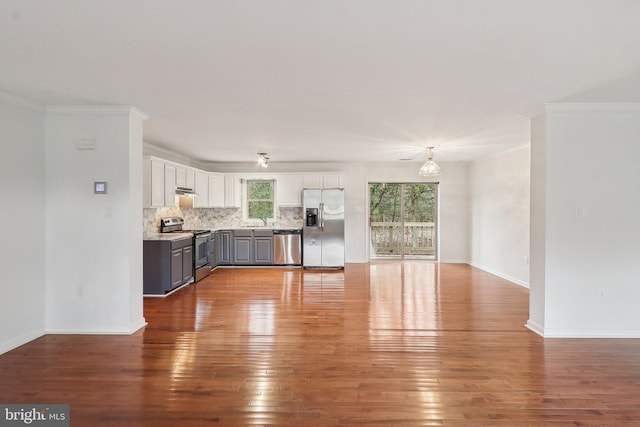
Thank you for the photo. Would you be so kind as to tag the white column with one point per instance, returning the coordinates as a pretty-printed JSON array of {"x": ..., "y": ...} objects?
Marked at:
[
  {"x": 93, "y": 241},
  {"x": 585, "y": 209}
]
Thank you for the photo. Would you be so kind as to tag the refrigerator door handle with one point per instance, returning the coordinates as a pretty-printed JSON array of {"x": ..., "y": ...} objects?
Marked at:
[{"x": 321, "y": 216}]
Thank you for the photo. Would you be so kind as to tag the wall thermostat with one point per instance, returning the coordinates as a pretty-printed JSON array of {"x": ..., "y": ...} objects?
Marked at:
[{"x": 100, "y": 187}]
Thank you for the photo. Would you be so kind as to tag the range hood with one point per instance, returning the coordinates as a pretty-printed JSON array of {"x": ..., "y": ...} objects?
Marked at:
[{"x": 185, "y": 191}]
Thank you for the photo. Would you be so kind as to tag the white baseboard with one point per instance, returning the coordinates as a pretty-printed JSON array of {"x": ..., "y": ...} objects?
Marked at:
[
  {"x": 589, "y": 333},
  {"x": 20, "y": 340},
  {"x": 535, "y": 327},
  {"x": 133, "y": 328},
  {"x": 580, "y": 333},
  {"x": 501, "y": 275}
]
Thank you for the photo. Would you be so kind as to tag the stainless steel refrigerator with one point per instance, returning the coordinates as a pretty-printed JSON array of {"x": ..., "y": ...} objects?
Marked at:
[{"x": 323, "y": 228}]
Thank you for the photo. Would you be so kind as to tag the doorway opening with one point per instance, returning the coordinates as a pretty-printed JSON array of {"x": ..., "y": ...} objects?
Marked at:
[{"x": 403, "y": 220}]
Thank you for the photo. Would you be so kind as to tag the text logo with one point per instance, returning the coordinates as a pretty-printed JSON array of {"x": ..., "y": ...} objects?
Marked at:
[{"x": 34, "y": 415}]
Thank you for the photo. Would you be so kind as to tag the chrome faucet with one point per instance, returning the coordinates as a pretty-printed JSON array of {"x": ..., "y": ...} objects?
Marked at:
[{"x": 264, "y": 220}]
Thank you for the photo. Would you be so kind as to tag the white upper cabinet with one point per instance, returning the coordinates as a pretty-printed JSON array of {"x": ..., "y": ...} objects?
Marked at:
[
  {"x": 216, "y": 190},
  {"x": 201, "y": 188},
  {"x": 169, "y": 184},
  {"x": 313, "y": 180},
  {"x": 333, "y": 180},
  {"x": 158, "y": 183},
  {"x": 232, "y": 191},
  {"x": 181, "y": 176},
  {"x": 289, "y": 189},
  {"x": 323, "y": 180},
  {"x": 190, "y": 178}
]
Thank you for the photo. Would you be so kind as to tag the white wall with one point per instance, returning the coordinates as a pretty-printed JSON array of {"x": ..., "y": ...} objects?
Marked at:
[
  {"x": 499, "y": 193},
  {"x": 453, "y": 205},
  {"x": 592, "y": 209},
  {"x": 537, "y": 216},
  {"x": 22, "y": 254},
  {"x": 94, "y": 242}
]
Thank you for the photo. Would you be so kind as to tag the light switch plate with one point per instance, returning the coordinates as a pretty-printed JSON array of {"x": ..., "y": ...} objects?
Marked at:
[{"x": 100, "y": 187}]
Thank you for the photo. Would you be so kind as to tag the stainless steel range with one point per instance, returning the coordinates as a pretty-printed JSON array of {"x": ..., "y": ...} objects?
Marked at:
[{"x": 201, "y": 261}]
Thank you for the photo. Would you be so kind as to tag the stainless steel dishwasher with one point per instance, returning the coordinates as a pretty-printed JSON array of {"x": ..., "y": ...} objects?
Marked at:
[{"x": 287, "y": 247}]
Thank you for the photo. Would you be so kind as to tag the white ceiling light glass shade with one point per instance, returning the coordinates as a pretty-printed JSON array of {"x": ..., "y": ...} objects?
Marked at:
[
  {"x": 430, "y": 167},
  {"x": 263, "y": 160}
]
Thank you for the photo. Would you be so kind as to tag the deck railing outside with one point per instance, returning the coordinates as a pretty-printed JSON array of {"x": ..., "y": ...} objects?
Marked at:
[{"x": 419, "y": 238}]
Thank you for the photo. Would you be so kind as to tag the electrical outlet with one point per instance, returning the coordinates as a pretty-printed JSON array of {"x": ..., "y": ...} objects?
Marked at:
[
  {"x": 526, "y": 260},
  {"x": 601, "y": 293}
]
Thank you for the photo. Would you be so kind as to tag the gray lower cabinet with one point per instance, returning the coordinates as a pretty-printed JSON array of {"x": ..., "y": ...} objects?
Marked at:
[
  {"x": 263, "y": 250},
  {"x": 242, "y": 247},
  {"x": 187, "y": 264},
  {"x": 167, "y": 264},
  {"x": 213, "y": 250},
  {"x": 242, "y": 250},
  {"x": 224, "y": 242}
]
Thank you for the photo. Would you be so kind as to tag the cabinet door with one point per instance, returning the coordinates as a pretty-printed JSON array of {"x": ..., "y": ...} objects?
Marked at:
[
  {"x": 157, "y": 184},
  {"x": 263, "y": 250},
  {"x": 242, "y": 250},
  {"x": 290, "y": 190},
  {"x": 202, "y": 190},
  {"x": 224, "y": 248},
  {"x": 332, "y": 181},
  {"x": 176, "y": 267},
  {"x": 181, "y": 176},
  {"x": 213, "y": 249},
  {"x": 216, "y": 191},
  {"x": 169, "y": 185},
  {"x": 187, "y": 264},
  {"x": 190, "y": 178},
  {"x": 313, "y": 180},
  {"x": 232, "y": 191}
]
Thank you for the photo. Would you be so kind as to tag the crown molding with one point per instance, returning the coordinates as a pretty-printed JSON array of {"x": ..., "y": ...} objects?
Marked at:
[
  {"x": 584, "y": 107},
  {"x": 22, "y": 102},
  {"x": 105, "y": 110},
  {"x": 149, "y": 149}
]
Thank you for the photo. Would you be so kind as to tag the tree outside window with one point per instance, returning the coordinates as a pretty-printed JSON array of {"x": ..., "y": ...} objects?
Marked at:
[{"x": 260, "y": 199}]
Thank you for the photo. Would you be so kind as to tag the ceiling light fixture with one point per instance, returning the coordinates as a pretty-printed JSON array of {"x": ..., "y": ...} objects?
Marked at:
[
  {"x": 430, "y": 167},
  {"x": 263, "y": 160}
]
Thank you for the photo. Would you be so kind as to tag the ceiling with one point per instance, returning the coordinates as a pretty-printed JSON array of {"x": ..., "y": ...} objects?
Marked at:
[{"x": 323, "y": 81}]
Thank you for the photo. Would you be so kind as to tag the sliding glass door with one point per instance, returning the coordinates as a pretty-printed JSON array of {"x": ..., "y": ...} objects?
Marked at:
[{"x": 402, "y": 220}]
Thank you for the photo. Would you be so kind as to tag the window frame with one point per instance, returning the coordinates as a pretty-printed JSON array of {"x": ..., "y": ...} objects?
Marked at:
[{"x": 246, "y": 199}]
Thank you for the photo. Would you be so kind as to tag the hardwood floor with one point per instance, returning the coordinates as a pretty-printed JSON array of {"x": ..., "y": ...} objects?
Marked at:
[{"x": 387, "y": 344}]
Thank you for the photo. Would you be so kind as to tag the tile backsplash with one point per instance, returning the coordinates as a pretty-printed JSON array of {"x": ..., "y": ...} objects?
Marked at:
[{"x": 214, "y": 218}]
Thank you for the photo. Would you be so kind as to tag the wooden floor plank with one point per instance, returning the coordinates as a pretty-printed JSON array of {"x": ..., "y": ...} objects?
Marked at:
[{"x": 387, "y": 344}]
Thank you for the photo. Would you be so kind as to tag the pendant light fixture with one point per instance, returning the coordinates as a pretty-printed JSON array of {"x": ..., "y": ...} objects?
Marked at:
[
  {"x": 430, "y": 167},
  {"x": 263, "y": 160}
]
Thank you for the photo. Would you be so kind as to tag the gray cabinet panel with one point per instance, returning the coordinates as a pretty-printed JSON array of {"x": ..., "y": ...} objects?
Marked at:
[
  {"x": 242, "y": 250},
  {"x": 213, "y": 250},
  {"x": 176, "y": 267},
  {"x": 263, "y": 250},
  {"x": 187, "y": 264},
  {"x": 224, "y": 247}
]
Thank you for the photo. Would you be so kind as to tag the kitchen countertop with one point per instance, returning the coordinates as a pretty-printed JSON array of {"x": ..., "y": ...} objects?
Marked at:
[
  {"x": 167, "y": 236},
  {"x": 178, "y": 236}
]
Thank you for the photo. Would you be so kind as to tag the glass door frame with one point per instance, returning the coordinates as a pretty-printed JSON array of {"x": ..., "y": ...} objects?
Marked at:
[{"x": 402, "y": 255}]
